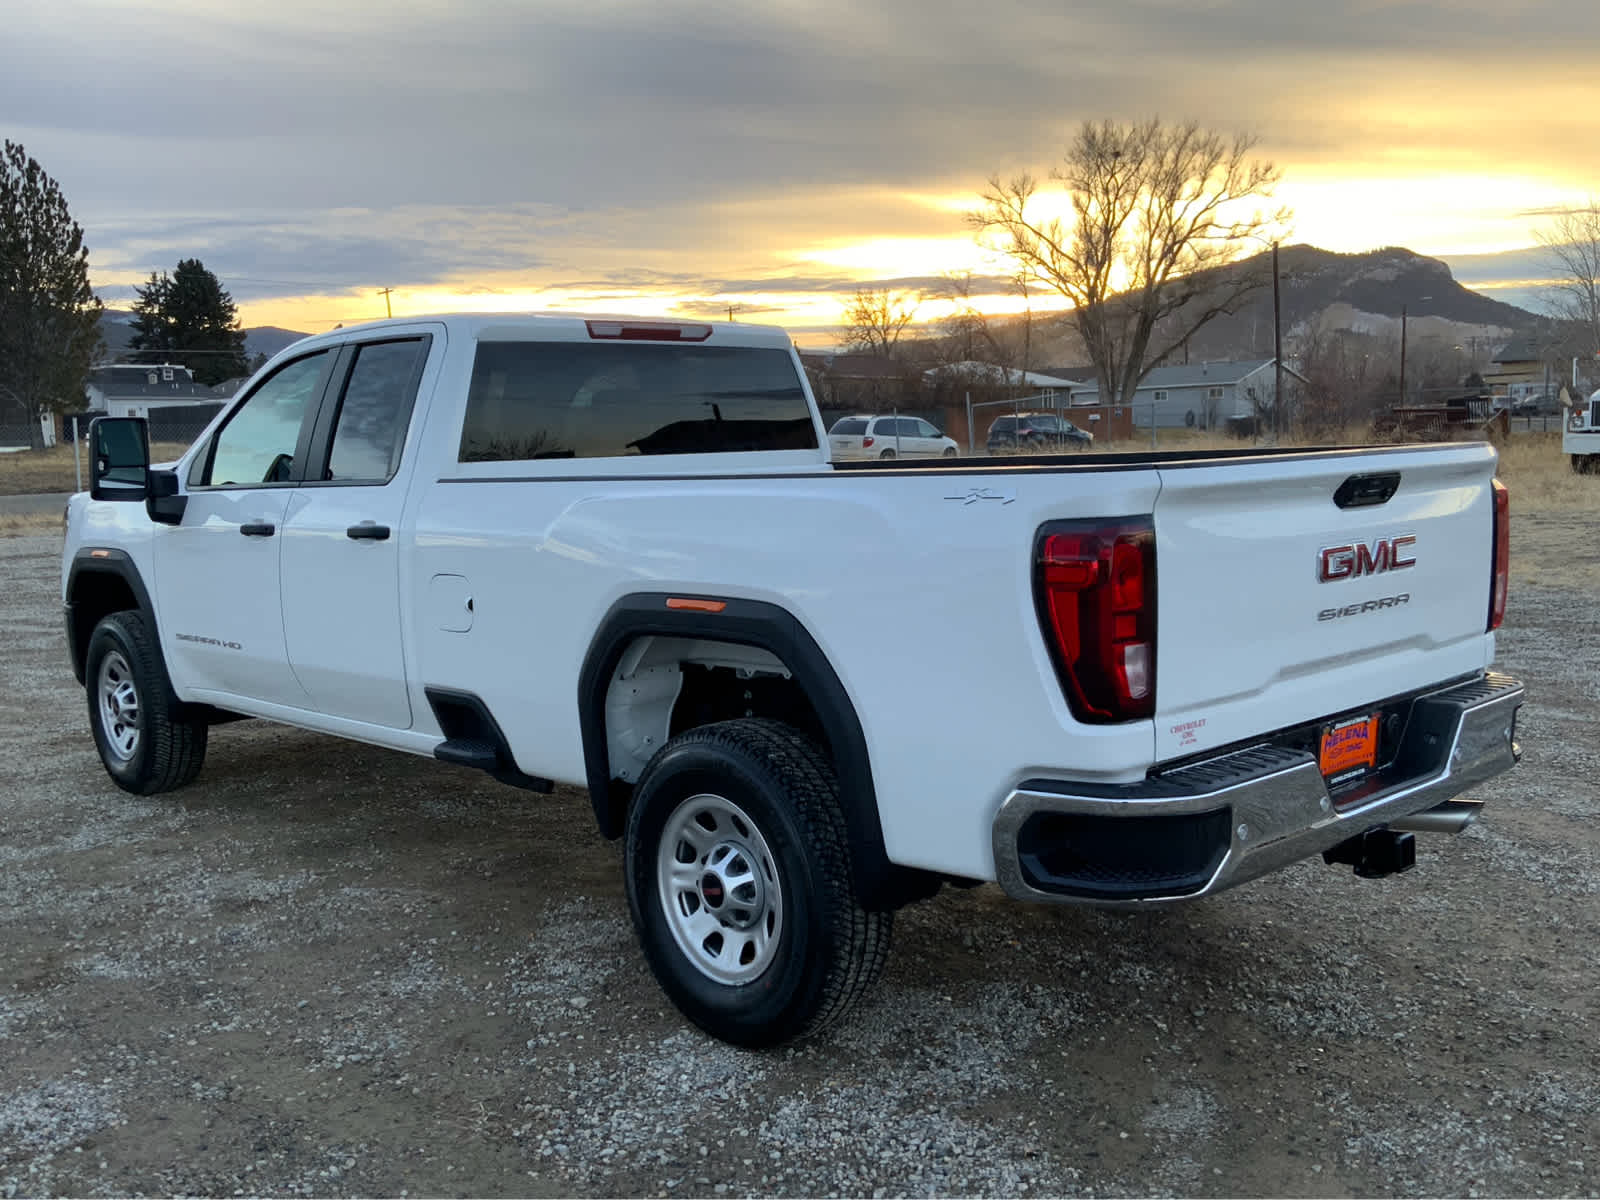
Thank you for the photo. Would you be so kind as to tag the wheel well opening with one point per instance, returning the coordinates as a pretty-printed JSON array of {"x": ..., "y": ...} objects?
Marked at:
[
  {"x": 641, "y": 691},
  {"x": 712, "y": 693},
  {"x": 94, "y": 596},
  {"x": 664, "y": 686}
]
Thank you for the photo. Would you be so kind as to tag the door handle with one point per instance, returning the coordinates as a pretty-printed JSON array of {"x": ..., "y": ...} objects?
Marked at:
[
  {"x": 368, "y": 532},
  {"x": 258, "y": 529}
]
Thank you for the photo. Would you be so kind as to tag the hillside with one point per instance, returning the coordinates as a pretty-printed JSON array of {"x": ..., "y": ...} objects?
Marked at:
[{"x": 1363, "y": 293}]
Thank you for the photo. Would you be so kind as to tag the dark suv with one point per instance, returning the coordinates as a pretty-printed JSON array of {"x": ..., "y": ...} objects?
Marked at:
[{"x": 1033, "y": 431}]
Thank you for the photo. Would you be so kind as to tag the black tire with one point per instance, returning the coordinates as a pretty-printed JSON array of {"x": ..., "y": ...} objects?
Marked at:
[
  {"x": 165, "y": 750},
  {"x": 824, "y": 954},
  {"x": 949, "y": 451},
  {"x": 887, "y": 454}
]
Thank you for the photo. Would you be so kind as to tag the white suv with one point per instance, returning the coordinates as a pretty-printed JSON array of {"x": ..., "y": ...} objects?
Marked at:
[{"x": 857, "y": 438}]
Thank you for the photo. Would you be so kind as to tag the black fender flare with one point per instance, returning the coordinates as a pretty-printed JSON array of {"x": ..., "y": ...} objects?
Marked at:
[
  {"x": 879, "y": 883},
  {"x": 100, "y": 560}
]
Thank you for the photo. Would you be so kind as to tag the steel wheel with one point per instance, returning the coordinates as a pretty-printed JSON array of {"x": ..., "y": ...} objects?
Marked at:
[
  {"x": 120, "y": 718},
  {"x": 720, "y": 890}
]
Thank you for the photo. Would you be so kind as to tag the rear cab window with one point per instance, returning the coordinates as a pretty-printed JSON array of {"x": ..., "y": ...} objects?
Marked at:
[{"x": 553, "y": 401}]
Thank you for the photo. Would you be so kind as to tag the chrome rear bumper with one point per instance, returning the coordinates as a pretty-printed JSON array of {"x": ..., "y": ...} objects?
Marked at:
[{"x": 1166, "y": 838}]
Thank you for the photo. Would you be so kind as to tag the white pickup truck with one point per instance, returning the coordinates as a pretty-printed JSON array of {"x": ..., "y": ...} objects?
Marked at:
[
  {"x": 613, "y": 553},
  {"x": 1580, "y": 440}
]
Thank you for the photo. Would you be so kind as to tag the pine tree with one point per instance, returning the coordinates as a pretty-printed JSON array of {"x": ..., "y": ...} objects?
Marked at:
[
  {"x": 188, "y": 318},
  {"x": 49, "y": 316},
  {"x": 151, "y": 335}
]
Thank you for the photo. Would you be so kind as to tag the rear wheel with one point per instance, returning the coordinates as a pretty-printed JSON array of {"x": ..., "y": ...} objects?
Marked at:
[
  {"x": 739, "y": 884},
  {"x": 887, "y": 454},
  {"x": 146, "y": 745}
]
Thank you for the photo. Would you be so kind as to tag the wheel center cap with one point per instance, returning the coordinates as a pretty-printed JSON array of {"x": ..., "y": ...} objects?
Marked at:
[
  {"x": 732, "y": 888},
  {"x": 712, "y": 891}
]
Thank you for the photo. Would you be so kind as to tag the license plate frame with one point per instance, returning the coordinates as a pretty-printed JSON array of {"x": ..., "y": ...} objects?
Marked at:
[{"x": 1348, "y": 750}]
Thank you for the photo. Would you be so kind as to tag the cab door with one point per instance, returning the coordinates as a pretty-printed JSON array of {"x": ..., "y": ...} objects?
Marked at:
[
  {"x": 217, "y": 571},
  {"x": 341, "y": 544}
]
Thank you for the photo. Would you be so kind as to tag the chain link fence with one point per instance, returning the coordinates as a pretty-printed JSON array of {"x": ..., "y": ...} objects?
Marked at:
[
  {"x": 13, "y": 436},
  {"x": 168, "y": 425}
]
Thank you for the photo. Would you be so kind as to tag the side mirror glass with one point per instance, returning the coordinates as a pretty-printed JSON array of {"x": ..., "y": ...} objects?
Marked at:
[{"x": 119, "y": 458}]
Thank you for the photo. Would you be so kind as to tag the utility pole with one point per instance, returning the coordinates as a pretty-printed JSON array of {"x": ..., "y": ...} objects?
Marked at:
[
  {"x": 388, "y": 310},
  {"x": 1402, "y": 354},
  {"x": 1277, "y": 349}
]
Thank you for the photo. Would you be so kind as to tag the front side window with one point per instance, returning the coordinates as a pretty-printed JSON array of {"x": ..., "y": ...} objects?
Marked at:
[
  {"x": 374, "y": 412},
  {"x": 926, "y": 430},
  {"x": 536, "y": 400},
  {"x": 258, "y": 443}
]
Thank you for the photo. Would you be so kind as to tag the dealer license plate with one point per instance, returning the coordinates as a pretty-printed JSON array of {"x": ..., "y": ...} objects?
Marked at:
[{"x": 1349, "y": 749}]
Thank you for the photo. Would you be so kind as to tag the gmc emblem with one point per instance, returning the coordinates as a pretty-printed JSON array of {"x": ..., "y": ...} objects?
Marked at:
[{"x": 1352, "y": 562}]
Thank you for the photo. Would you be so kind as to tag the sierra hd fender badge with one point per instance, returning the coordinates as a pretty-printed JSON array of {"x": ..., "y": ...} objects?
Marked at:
[
  {"x": 1358, "y": 559},
  {"x": 207, "y": 641}
]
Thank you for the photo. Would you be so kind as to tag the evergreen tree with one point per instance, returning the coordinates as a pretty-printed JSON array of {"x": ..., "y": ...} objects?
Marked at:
[
  {"x": 188, "y": 318},
  {"x": 49, "y": 316},
  {"x": 151, "y": 336}
]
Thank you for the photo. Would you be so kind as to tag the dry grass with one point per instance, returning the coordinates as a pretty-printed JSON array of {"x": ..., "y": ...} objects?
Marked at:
[
  {"x": 1541, "y": 478},
  {"x": 29, "y": 524},
  {"x": 27, "y": 472}
]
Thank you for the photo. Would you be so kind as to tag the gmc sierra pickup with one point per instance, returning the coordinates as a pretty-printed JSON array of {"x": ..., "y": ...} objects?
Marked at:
[
  {"x": 1580, "y": 440},
  {"x": 613, "y": 553}
]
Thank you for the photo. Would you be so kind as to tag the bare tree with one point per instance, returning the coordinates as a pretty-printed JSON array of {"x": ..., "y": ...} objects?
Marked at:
[
  {"x": 1571, "y": 244},
  {"x": 1157, "y": 212},
  {"x": 876, "y": 317},
  {"x": 970, "y": 335}
]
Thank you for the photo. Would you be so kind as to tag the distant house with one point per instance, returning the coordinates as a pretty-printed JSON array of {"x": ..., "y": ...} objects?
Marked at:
[
  {"x": 869, "y": 382},
  {"x": 1208, "y": 395},
  {"x": 166, "y": 394},
  {"x": 991, "y": 375},
  {"x": 1518, "y": 371},
  {"x": 130, "y": 389}
]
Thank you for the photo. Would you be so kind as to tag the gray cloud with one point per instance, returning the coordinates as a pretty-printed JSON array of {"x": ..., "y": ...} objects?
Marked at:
[{"x": 421, "y": 142}]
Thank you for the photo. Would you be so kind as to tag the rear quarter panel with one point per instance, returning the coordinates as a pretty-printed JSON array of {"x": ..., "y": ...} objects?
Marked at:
[{"x": 915, "y": 584}]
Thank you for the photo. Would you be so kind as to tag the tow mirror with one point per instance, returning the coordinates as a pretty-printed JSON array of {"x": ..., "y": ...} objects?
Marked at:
[{"x": 119, "y": 459}]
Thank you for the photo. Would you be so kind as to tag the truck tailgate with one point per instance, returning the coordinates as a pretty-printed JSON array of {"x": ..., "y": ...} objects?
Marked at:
[{"x": 1278, "y": 606}]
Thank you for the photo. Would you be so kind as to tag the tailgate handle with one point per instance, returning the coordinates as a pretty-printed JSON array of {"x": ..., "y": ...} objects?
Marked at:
[{"x": 1365, "y": 491}]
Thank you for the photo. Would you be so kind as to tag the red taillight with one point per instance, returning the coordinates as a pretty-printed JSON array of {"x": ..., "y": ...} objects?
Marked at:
[
  {"x": 866, "y": 441},
  {"x": 1500, "y": 580},
  {"x": 649, "y": 331},
  {"x": 1095, "y": 583}
]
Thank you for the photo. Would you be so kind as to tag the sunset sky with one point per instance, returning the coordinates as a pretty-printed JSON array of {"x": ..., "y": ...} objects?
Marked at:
[{"x": 682, "y": 157}]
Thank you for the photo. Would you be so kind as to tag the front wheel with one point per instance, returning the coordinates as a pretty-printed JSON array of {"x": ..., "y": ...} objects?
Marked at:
[
  {"x": 949, "y": 451},
  {"x": 146, "y": 745},
  {"x": 739, "y": 884}
]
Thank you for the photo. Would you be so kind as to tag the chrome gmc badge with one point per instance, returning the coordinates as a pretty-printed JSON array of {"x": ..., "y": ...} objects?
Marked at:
[{"x": 1359, "y": 559}]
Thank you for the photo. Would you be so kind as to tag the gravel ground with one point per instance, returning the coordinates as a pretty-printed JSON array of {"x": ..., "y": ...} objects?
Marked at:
[{"x": 327, "y": 969}]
